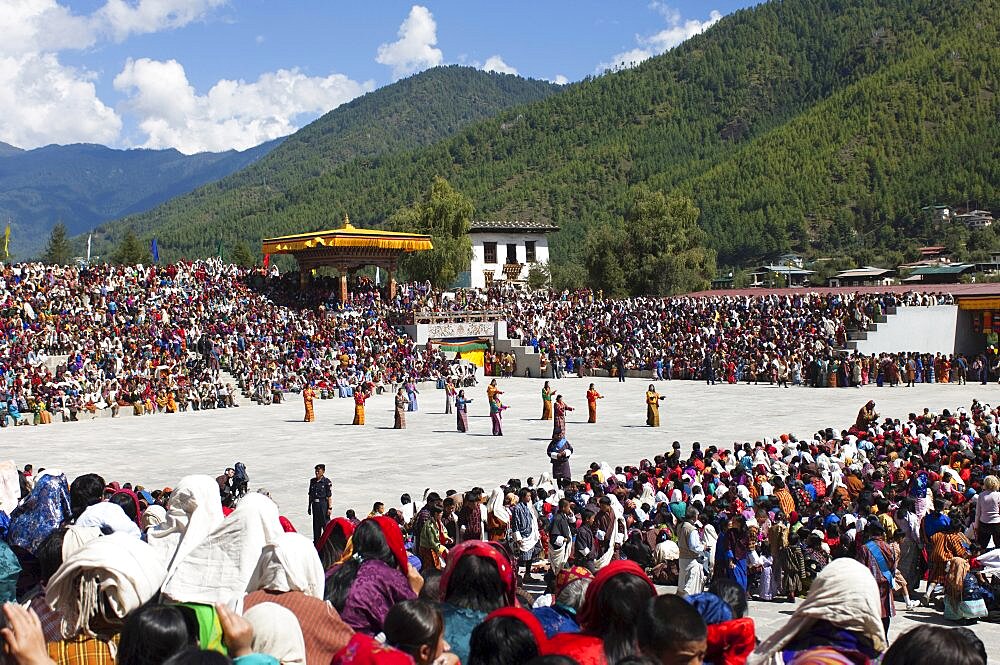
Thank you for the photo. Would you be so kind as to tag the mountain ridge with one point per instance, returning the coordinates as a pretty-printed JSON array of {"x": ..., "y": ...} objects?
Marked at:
[{"x": 574, "y": 157}]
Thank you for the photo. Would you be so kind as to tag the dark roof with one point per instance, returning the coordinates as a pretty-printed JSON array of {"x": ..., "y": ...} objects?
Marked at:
[
  {"x": 513, "y": 225},
  {"x": 943, "y": 269},
  {"x": 981, "y": 289}
]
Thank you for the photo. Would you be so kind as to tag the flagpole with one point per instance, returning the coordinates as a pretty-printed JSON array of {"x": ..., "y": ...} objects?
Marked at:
[{"x": 89, "y": 238}]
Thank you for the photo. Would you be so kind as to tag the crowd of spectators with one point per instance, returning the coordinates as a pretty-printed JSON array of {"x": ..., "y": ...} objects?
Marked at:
[
  {"x": 555, "y": 568},
  {"x": 78, "y": 341}
]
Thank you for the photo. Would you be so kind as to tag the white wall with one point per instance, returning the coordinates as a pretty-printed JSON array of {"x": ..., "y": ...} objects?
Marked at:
[
  {"x": 477, "y": 280},
  {"x": 924, "y": 329}
]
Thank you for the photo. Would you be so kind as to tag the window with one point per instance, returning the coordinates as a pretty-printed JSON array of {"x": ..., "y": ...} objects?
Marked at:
[
  {"x": 529, "y": 251},
  {"x": 489, "y": 252},
  {"x": 511, "y": 253}
]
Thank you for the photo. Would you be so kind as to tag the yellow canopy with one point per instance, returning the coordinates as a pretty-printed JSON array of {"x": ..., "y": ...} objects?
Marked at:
[{"x": 348, "y": 236}]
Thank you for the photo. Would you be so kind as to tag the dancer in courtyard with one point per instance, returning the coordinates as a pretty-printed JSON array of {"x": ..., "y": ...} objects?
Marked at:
[
  {"x": 402, "y": 402},
  {"x": 559, "y": 409},
  {"x": 592, "y": 397},
  {"x": 360, "y": 396},
  {"x": 653, "y": 400},
  {"x": 548, "y": 394},
  {"x": 308, "y": 395},
  {"x": 462, "y": 411}
]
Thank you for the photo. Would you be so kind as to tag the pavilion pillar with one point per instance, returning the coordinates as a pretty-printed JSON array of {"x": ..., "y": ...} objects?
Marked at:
[
  {"x": 392, "y": 284},
  {"x": 343, "y": 285},
  {"x": 304, "y": 274}
]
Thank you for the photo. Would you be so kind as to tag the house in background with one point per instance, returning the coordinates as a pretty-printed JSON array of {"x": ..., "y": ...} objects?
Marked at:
[
  {"x": 941, "y": 273},
  {"x": 779, "y": 276},
  {"x": 866, "y": 276},
  {"x": 938, "y": 215},
  {"x": 976, "y": 219},
  {"x": 506, "y": 250}
]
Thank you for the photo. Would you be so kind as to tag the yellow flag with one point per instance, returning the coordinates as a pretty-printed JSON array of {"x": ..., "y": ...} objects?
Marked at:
[{"x": 6, "y": 242}]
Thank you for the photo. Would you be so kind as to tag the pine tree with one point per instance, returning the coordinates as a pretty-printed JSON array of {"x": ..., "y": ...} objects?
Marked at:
[
  {"x": 131, "y": 251},
  {"x": 242, "y": 256},
  {"x": 58, "y": 251}
]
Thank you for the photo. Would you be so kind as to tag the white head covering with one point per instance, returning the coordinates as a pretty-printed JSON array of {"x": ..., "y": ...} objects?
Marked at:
[
  {"x": 846, "y": 595},
  {"x": 193, "y": 512},
  {"x": 153, "y": 516},
  {"x": 218, "y": 570},
  {"x": 76, "y": 537},
  {"x": 290, "y": 563},
  {"x": 122, "y": 569},
  {"x": 276, "y": 632},
  {"x": 108, "y": 516},
  {"x": 10, "y": 486},
  {"x": 495, "y": 506}
]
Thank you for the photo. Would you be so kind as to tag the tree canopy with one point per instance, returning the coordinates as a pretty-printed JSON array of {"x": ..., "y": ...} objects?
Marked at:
[
  {"x": 444, "y": 214},
  {"x": 657, "y": 249},
  {"x": 58, "y": 251}
]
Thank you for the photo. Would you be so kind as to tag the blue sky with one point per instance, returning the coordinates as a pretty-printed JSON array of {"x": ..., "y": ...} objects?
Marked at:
[{"x": 218, "y": 74}]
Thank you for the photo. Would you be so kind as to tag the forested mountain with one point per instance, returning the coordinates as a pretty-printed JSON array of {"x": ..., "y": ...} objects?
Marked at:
[
  {"x": 8, "y": 149},
  {"x": 814, "y": 125},
  {"x": 83, "y": 185},
  {"x": 406, "y": 115}
]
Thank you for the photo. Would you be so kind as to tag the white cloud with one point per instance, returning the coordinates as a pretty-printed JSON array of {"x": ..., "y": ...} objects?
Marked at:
[
  {"x": 677, "y": 31},
  {"x": 45, "y": 26},
  {"x": 495, "y": 63},
  {"x": 414, "y": 50},
  {"x": 46, "y": 102},
  {"x": 233, "y": 114},
  {"x": 119, "y": 18},
  {"x": 560, "y": 80},
  {"x": 33, "y": 26}
]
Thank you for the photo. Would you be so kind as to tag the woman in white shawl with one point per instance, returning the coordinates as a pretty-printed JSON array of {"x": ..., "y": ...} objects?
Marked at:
[
  {"x": 219, "y": 569},
  {"x": 841, "y": 612},
  {"x": 99, "y": 584},
  {"x": 497, "y": 516},
  {"x": 193, "y": 512},
  {"x": 276, "y": 632},
  {"x": 290, "y": 563}
]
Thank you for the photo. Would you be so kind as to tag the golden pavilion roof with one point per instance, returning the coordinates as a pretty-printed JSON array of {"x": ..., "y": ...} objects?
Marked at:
[{"x": 348, "y": 236}]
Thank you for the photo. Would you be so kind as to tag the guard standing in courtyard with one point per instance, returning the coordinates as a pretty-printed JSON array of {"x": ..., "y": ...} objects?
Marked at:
[{"x": 320, "y": 501}]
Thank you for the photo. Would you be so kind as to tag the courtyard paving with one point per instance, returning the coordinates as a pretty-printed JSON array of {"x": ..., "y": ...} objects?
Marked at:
[{"x": 375, "y": 462}]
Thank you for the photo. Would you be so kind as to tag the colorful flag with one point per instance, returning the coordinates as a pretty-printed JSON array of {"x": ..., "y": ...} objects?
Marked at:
[
  {"x": 267, "y": 261},
  {"x": 6, "y": 242},
  {"x": 89, "y": 238},
  {"x": 155, "y": 251}
]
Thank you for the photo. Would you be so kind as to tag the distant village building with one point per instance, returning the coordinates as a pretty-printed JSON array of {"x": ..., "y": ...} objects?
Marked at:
[
  {"x": 941, "y": 273},
  {"x": 506, "y": 250},
  {"x": 778, "y": 276},
  {"x": 991, "y": 267},
  {"x": 939, "y": 215},
  {"x": 866, "y": 276},
  {"x": 790, "y": 260},
  {"x": 934, "y": 254},
  {"x": 976, "y": 219}
]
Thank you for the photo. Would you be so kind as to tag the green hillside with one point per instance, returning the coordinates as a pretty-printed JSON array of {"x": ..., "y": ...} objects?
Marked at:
[
  {"x": 802, "y": 124},
  {"x": 405, "y": 115},
  {"x": 83, "y": 185}
]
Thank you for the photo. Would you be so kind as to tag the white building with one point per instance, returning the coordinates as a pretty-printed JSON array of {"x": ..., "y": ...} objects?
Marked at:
[
  {"x": 976, "y": 219},
  {"x": 506, "y": 250}
]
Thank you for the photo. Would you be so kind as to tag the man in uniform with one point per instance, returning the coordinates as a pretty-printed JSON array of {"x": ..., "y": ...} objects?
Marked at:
[{"x": 320, "y": 501}]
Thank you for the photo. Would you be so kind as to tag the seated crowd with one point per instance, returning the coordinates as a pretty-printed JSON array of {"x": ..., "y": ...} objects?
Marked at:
[
  {"x": 76, "y": 341},
  {"x": 558, "y": 569}
]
